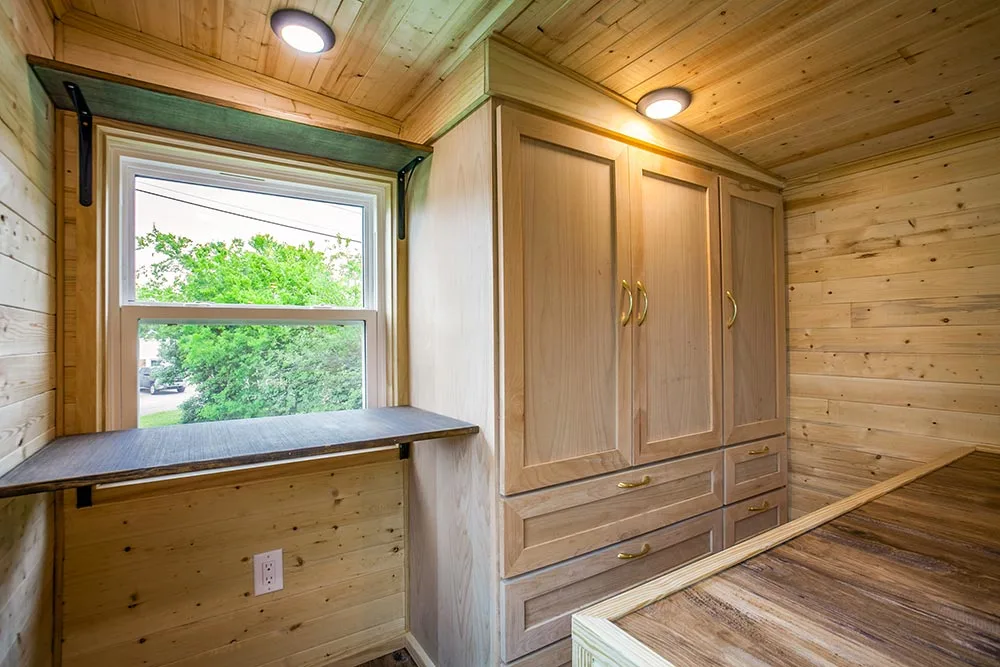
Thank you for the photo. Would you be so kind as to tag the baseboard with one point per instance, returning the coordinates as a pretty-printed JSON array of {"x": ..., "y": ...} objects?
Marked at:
[{"x": 417, "y": 652}]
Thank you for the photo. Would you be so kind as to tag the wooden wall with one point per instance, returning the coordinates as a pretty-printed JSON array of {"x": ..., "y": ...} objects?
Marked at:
[
  {"x": 894, "y": 316},
  {"x": 162, "y": 573},
  {"x": 80, "y": 399},
  {"x": 27, "y": 330}
]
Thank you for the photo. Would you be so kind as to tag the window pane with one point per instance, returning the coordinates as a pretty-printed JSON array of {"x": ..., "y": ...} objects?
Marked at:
[
  {"x": 207, "y": 244},
  {"x": 212, "y": 372}
]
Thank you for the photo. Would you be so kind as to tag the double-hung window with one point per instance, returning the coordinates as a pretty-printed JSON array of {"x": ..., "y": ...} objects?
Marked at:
[{"x": 240, "y": 286}]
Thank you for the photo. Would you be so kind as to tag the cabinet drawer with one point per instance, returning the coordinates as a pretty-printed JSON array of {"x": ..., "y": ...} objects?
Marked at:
[
  {"x": 551, "y": 525},
  {"x": 755, "y": 515},
  {"x": 537, "y": 607},
  {"x": 559, "y": 654},
  {"x": 755, "y": 468}
]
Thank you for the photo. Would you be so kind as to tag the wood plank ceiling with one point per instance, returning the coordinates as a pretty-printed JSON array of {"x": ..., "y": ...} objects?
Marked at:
[{"x": 796, "y": 86}]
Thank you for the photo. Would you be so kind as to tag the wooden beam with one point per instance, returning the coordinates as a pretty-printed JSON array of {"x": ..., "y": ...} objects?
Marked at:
[
  {"x": 212, "y": 77},
  {"x": 501, "y": 14},
  {"x": 450, "y": 102}
]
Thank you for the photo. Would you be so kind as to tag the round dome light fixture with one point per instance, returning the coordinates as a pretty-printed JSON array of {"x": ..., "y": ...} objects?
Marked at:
[
  {"x": 664, "y": 103},
  {"x": 302, "y": 31}
]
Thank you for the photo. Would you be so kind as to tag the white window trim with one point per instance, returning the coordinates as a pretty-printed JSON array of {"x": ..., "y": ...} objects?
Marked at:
[{"x": 125, "y": 153}]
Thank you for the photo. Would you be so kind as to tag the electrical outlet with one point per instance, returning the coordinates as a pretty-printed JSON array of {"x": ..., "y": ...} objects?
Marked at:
[{"x": 267, "y": 572}]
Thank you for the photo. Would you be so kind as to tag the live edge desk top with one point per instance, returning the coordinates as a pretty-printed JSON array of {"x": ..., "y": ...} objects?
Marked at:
[
  {"x": 80, "y": 461},
  {"x": 895, "y": 575}
]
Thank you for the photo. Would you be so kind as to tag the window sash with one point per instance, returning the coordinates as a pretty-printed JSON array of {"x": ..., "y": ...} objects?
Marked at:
[
  {"x": 227, "y": 314},
  {"x": 132, "y": 167},
  {"x": 126, "y": 153}
]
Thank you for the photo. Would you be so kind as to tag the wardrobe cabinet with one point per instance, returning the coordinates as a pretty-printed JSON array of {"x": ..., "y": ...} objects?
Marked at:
[
  {"x": 753, "y": 278},
  {"x": 615, "y": 325}
]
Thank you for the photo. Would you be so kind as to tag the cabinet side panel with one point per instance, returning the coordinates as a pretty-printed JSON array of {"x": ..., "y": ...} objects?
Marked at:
[{"x": 452, "y": 486}]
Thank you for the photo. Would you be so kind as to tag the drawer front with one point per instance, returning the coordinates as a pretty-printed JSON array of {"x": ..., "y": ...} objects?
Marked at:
[
  {"x": 755, "y": 515},
  {"x": 559, "y": 654},
  {"x": 755, "y": 468},
  {"x": 537, "y": 607},
  {"x": 553, "y": 525}
]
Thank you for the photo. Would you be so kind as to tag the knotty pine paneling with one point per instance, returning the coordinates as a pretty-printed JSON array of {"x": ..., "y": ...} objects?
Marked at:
[
  {"x": 894, "y": 318},
  {"x": 27, "y": 330},
  {"x": 81, "y": 322},
  {"x": 162, "y": 573}
]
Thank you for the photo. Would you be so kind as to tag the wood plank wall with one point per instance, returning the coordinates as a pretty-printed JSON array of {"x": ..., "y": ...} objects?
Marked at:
[
  {"x": 27, "y": 330},
  {"x": 162, "y": 573},
  {"x": 894, "y": 317},
  {"x": 80, "y": 402}
]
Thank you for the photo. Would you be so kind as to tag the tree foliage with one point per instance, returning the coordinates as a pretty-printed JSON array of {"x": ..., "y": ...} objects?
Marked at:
[{"x": 257, "y": 370}]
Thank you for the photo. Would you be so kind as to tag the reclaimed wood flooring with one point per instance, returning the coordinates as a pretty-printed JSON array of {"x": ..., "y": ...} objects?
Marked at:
[{"x": 912, "y": 578}]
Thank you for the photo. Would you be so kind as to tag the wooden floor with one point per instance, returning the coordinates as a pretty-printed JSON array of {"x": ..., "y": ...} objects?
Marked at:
[{"x": 910, "y": 579}]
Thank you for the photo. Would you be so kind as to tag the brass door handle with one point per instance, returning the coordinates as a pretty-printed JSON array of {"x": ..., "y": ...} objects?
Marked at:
[
  {"x": 645, "y": 302},
  {"x": 628, "y": 314},
  {"x": 732, "y": 319},
  {"x": 766, "y": 505},
  {"x": 757, "y": 452},
  {"x": 642, "y": 552},
  {"x": 646, "y": 479}
]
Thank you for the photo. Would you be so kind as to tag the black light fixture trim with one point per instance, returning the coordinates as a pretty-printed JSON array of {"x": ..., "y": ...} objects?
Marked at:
[{"x": 286, "y": 17}]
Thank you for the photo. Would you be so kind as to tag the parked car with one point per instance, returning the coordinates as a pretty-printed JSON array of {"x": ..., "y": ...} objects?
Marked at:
[{"x": 158, "y": 378}]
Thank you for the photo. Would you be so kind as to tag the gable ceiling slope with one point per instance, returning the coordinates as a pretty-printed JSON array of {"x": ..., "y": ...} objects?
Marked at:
[{"x": 795, "y": 86}]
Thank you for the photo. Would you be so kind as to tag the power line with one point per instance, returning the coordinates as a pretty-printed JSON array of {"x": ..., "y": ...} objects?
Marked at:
[{"x": 244, "y": 215}]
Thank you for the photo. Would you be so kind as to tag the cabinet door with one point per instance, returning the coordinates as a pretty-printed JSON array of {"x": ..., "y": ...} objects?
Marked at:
[
  {"x": 753, "y": 276},
  {"x": 675, "y": 261},
  {"x": 565, "y": 353}
]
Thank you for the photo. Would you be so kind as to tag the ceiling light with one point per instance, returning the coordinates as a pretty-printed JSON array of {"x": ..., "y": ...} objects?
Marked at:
[
  {"x": 664, "y": 103},
  {"x": 302, "y": 31}
]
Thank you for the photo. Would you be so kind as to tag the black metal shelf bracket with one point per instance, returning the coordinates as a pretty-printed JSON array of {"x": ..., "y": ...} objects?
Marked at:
[
  {"x": 401, "y": 196},
  {"x": 85, "y": 121},
  {"x": 404, "y": 451}
]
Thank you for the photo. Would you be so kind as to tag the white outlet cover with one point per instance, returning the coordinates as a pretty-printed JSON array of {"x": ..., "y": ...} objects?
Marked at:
[{"x": 268, "y": 572}]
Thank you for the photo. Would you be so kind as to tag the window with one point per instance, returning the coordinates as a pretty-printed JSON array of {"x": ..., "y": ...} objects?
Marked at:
[{"x": 241, "y": 286}]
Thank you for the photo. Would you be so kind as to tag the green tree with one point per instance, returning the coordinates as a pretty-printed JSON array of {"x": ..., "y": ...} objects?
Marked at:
[{"x": 257, "y": 370}]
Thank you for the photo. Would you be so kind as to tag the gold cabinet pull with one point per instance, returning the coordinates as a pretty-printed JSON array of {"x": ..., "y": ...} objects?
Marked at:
[
  {"x": 732, "y": 318},
  {"x": 642, "y": 552},
  {"x": 646, "y": 479},
  {"x": 645, "y": 302},
  {"x": 757, "y": 452},
  {"x": 628, "y": 314},
  {"x": 766, "y": 505}
]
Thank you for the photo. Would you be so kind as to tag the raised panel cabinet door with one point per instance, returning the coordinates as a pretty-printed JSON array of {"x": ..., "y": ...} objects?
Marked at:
[
  {"x": 565, "y": 302},
  {"x": 677, "y": 374},
  {"x": 753, "y": 279}
]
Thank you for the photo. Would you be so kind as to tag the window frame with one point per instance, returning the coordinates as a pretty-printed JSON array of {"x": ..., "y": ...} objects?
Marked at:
[{"x": 126, "y": 154}]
